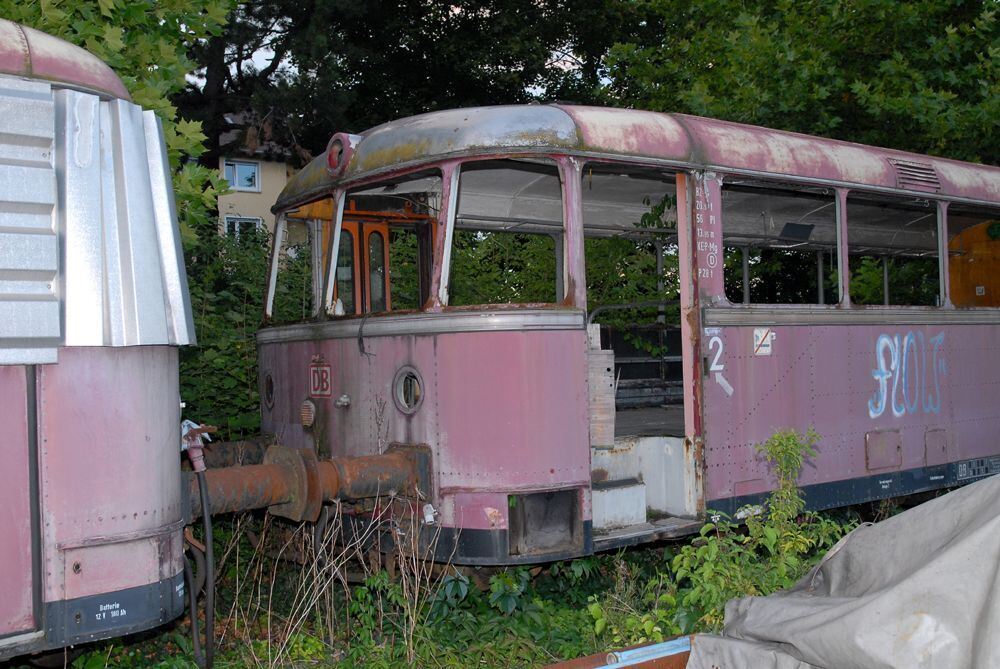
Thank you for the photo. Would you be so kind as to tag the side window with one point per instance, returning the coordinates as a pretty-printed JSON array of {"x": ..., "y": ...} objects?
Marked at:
[
  {"x": 242, "y": 176},
  {"x": 780, "y": 242},
  {"x": 293, "y": 291},
  {"x": 345, "y": 291},
  {"x": 243, "y": 228},
  {"x": 376, "y": 270},
  {"x": 509, "y": 221},
  {"x": 974, "y": 256},
  {"x": 893, "y": 247}
]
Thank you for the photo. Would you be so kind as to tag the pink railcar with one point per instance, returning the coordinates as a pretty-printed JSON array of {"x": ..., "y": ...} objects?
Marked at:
[
  {"x": 472, "y": 290},
  {"x": 93, "y": 304}
]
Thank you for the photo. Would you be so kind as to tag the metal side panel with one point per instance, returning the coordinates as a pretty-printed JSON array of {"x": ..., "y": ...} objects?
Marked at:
[
  {"x": 29, "y": 251},
  {"x": 79, "y": 160},
  {"x": 180, "y": 318},
  {"x": 124, "y": 278},
  {"x": 143, "y": 305}
]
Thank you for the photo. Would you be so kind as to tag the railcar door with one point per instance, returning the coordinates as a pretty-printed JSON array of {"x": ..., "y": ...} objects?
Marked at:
[
  {"x": 17, "y": 586},
  {"x": 363, "y": 267},
  {"x": 643, "y": 463}
]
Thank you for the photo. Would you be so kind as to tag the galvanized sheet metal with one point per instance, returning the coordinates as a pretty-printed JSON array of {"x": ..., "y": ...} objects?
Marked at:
[
  {"x": 29, "y": 254},
  {"x": 93, "y": 174}
]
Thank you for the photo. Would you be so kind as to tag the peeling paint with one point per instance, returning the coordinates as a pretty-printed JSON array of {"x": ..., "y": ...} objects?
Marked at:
[
  {"x": 699, "y": 143},
  {"x": 27, "y": 52}
]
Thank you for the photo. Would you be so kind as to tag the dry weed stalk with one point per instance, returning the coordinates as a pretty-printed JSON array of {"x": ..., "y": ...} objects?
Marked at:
[{"x": 329, "y": 548}]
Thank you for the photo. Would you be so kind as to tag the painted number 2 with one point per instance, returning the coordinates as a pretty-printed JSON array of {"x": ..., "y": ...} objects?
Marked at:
[{"x": 716, "y": 366}]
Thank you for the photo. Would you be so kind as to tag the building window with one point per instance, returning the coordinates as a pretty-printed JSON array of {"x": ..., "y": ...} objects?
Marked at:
[
  {"x": 243, "y": 176},
  {"x": 242, "y": 226}
]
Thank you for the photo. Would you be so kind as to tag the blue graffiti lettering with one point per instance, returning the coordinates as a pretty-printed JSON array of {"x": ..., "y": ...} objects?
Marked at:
[{"x": 904, "y": 361}]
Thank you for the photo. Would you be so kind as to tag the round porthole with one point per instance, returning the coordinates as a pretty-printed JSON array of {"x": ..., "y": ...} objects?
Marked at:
[
  {"x": 408, "y": 390},
  {"x": 268, "y": 391}
]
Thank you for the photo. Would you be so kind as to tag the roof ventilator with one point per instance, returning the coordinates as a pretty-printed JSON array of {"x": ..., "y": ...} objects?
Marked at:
[{"x": 916, "y": 176}]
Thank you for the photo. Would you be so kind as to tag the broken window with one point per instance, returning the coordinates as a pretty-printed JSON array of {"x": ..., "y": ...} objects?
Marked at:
[
  {"x": 508, "y": 234},
  {"x": 293, "y": 292},
  {"x": 974, "y": 256},
  {"x": 893, "y": 247},
  {"x": 780, "y": 242}
]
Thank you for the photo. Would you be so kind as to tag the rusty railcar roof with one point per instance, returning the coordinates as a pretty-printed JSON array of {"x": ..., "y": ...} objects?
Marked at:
[
  {"x": 26, "y": 52},
  {"x": 677, "y": 138}
]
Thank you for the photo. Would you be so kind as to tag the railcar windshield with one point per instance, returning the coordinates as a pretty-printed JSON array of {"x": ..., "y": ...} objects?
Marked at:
[{"x": 386, "y": 241}]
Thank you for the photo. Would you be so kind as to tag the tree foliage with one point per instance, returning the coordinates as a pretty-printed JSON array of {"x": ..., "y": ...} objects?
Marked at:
[
  {"x": 147, "y": 44},
  {"x": 341, "y": 65},
  {"x": 919, "y": 76}
]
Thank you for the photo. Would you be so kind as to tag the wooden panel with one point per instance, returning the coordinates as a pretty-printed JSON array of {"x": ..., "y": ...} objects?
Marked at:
[
  {"x": 601, "y": 382},
  {"x": 974, "y": 262}
]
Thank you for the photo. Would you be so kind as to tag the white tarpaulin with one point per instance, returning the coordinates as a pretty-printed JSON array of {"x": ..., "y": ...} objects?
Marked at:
[{"x": 920, "y": 590}]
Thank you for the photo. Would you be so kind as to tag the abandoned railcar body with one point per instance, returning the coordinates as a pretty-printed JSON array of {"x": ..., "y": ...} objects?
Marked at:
[
  {"x": 455, "y": 293},
  {"x": 93, "y": 304}
]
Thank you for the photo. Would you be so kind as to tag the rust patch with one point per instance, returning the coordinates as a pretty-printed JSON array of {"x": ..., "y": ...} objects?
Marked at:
[
  {"x": 395, "y": 155},
  {"x": 598, "y": 475}
]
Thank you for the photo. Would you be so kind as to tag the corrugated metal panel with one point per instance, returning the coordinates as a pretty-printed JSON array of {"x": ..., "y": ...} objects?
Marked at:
[
  {"x": 29, "y": 252},
  {"x": 90, "y": 253},
  {"x": 125, "y": 280}
]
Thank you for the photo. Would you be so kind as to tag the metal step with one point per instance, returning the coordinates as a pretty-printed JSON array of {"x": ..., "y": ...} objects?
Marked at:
[{"x": 670, "y": 527}]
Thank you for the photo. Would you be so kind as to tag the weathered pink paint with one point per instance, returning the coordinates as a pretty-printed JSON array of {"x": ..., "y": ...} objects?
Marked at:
[
  {"x": 499, "y": 421},
  {"x": 630, "y": 131},
  {"x": 15, "y": 505},
  {"x": 503, "y": 411},
  {"x": 823, "y": 377},
  {"x": 706, "y": 236},
  {"x": 109, "y": 457},
  {"x": 29, "y": 53},
  {"x": 574, "y": 268},
  {"x": 690, "y": 313}
]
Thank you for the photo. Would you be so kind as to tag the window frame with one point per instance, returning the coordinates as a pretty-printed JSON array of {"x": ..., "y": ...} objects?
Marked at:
[
  {"x": 743, "y": 274},
  {"x": 235, "y": 186},
  {"x": 941, "y": 231},
  {"x": 558, "y": 234},
  {"x": 233, "y": 218},
  {"x": 340, "y": 197}
]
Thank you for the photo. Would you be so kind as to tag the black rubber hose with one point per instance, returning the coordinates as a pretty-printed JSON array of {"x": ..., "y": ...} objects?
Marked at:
[
  {"x": 199, "y": 658},
  {"x": 206, "y": 519},
  {"x": 198, "y": 568}
]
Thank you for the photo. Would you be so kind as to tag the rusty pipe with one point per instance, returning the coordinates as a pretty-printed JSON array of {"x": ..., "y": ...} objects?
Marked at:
[
  {"x": 242, "y": 488},
  {"x": 364, "y": 476},
  {"x": 219, "y": 454},
  {"x": 294, "y": 485}
]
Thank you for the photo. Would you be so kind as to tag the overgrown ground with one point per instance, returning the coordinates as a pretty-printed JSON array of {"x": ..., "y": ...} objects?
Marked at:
[{"x": 290, "y": 596}]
